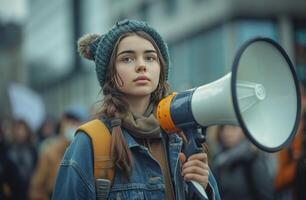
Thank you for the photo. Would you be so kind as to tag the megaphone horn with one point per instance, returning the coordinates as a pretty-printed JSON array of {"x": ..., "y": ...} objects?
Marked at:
[{"x": 261, "y": 95}]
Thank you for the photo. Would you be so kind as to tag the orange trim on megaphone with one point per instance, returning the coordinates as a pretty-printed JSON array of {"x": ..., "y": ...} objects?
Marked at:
[{"x": 164, "y": 115}]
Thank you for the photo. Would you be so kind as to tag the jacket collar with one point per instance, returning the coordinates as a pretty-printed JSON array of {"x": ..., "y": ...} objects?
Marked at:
[{"x": 130, "y": 141}]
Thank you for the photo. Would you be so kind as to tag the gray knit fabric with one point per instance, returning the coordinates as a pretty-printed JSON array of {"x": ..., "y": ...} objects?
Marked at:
[{"x": 102, "y": 48}]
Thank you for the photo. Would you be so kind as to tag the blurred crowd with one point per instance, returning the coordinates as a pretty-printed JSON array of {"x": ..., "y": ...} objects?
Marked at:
[
  {"x": 245, "y": 172},
  {"x": 29, "y": 161}
]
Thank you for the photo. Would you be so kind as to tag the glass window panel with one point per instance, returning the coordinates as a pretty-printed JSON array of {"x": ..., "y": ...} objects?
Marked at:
[
  {"x": 197, "y": 60},
  {"x": 247, "y": 29},
  {"x": 300, "y": 49}
]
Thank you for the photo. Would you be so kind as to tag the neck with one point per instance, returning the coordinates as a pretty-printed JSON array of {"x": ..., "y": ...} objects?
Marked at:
[{"x": 138, "y": 105}]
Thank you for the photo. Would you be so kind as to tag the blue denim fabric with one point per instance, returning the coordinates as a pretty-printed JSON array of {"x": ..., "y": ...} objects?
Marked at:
[{"x": 75, "y": 179}]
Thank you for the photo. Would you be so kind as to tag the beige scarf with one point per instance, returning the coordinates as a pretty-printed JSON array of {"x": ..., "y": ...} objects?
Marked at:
[{"x": 145, "y": 126}]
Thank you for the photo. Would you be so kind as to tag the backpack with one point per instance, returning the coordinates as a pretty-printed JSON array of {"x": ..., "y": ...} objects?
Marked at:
[{"x": 104, "y": 169}]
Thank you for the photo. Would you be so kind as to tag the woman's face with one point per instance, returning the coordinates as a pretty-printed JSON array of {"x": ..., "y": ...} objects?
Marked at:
[
  {"x": 20, "y": 132},
  {"x": 231, "y": 135},
  {"x": 138, "y": 66}
]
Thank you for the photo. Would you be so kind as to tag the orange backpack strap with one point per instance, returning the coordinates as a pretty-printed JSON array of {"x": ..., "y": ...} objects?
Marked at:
[{"x": 101, "y": 144}]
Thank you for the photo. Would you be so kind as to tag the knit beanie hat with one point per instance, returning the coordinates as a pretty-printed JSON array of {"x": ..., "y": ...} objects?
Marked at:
[{"x": 99, "y": 48}]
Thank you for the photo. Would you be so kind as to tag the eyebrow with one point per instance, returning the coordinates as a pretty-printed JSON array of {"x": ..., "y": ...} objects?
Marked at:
[{"x": 131, "y": 51}]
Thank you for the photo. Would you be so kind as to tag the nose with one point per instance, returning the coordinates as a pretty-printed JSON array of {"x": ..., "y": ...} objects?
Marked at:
[{"x": 141, "y": 65}]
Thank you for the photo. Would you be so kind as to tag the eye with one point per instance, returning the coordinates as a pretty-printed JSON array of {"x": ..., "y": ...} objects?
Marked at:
[
  {"x": 151, "y": 58},
  {"x": 126, "y": 59}
]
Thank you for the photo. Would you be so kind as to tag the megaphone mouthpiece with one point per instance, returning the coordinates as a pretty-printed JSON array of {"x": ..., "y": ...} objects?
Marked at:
[{"x": 249, "y": 93}]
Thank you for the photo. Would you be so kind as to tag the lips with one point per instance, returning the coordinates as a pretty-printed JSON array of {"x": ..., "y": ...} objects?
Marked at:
[{"x": 141, "y": 78}]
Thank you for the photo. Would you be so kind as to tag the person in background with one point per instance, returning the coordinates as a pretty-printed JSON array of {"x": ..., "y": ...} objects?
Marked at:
[
  {"x": 240, "y": 168},
  {"x": 46, "y": 130},
  {"x": 287, "y": 160},
  {"x": 10, "y": 183},
  {"x": 300, "y": 174},
  {"x": 52, "y": 151},
  {"x": 22, "y": 152}
]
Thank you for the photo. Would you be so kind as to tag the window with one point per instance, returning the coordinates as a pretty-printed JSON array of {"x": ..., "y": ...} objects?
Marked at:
[
  {"x": 300, "y": 49},
  {"x": 247, "y": 29},
  {"x": 197, "y": 60},
  {"x": 170, "y": 6}
]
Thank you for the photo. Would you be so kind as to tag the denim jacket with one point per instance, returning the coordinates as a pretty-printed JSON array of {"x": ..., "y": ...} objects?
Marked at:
[{"x": 75, "y": 178}]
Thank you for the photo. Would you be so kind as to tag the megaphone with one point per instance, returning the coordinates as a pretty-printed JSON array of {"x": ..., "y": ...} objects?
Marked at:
[{"x": 261, "y": 94}]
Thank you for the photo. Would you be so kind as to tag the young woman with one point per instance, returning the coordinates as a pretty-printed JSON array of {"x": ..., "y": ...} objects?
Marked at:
[{"x": 132, "y": 64}]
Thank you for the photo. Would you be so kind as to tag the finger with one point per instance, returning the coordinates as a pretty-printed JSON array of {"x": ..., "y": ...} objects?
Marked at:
[
  {"x": 182, "y": 157},
  {"x": 197, "y": 163},
  {"x": 195, "y": 170},
  {"x": 199, "y": 156}
]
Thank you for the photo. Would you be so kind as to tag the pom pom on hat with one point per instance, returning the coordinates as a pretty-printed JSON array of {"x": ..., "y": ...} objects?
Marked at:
[{"x": 84, "y": 45}]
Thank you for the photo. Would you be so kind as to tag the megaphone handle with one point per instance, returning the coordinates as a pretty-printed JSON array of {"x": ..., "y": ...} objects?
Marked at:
[
  {"x": 196, "y": 190},
  {"x": 194, "y": 145},
  {"x": 195, "y": 139}
]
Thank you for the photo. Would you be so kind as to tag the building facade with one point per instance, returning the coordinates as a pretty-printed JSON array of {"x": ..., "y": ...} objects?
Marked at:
[{"x": 203, "y": 36}]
